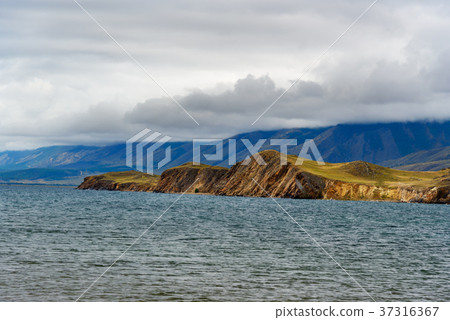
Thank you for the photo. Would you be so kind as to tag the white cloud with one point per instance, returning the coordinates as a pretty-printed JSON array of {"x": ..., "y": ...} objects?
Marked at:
[{"x": 64, "y": 81}]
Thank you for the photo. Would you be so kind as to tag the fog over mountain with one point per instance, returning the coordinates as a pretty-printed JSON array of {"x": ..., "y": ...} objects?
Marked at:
[{"x": 64, "y": 81}]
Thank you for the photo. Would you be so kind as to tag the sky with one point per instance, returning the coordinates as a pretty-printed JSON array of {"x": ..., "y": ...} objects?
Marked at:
[{"x": 63, "y": 80}]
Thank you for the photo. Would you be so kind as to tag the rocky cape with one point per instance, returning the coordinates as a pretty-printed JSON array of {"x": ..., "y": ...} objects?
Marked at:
[{"x": 302, "y": 179}]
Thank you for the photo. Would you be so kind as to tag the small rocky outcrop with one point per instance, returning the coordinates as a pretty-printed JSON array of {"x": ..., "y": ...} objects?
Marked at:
[{"x": 121, "y": 181}]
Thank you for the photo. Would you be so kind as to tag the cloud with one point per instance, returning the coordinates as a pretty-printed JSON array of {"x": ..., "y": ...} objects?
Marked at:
[
  {"x": 403, "y": 95},
  {"x": 64, "y": 81}
]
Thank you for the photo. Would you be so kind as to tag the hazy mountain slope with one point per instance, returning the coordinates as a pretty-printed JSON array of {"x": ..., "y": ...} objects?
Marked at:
[
  {"x": 434, "y": 159},
  {"x": 426, "y": 166},
  {"x": 113, "y": 157},
  {"x": 44, "y": 176},
  {"x": 381, "y": 142},
  {"x": 373, "y": 143},
  {"x": 407, "y": 143},
  {"x": 45, "y": 157}
]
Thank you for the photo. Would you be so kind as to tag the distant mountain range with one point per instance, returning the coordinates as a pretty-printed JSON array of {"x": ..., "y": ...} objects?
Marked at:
[{"x": 409, "y": 146}]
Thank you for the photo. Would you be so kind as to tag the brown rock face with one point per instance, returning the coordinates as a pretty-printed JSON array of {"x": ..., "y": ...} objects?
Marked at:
[
  {"x": 272, "y": 179},
  {"x": 177, "y": 180},
  {"x": 339, "y": 190}
]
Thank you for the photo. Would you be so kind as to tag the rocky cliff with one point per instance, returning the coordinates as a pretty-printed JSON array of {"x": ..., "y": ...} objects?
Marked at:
[
  {"x": 200, "y": 179},
  {"x": 348, "y": 181},
  {"x": 121, "y": 181},
  {"x": 274, "y": 179}
]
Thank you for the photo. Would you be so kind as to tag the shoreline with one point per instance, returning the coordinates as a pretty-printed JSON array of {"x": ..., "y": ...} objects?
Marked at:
[
  {"x": 38, "y": 184},
  {"x": 266, "y": 197}
]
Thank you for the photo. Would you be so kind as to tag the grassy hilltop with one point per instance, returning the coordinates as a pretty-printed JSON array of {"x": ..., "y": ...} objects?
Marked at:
[{"x": 367, "y": 173}]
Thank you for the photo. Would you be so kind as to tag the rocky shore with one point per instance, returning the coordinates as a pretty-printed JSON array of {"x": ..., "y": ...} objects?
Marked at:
[{"x": 348, "y": 181}]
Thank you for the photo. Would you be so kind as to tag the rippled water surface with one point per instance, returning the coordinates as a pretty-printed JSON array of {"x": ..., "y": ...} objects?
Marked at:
[{"x": 54, "y": 242}]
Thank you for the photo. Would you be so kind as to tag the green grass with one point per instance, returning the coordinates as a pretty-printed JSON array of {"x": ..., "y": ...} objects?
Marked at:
[
  {"x": 130, "y": 177},
  {"x": 198, "y": 166},
  {"x": 380, "y": 176}
]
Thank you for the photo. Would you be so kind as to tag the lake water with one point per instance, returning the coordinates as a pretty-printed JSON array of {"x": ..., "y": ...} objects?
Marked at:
[{"x": 54, "y": 242}]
